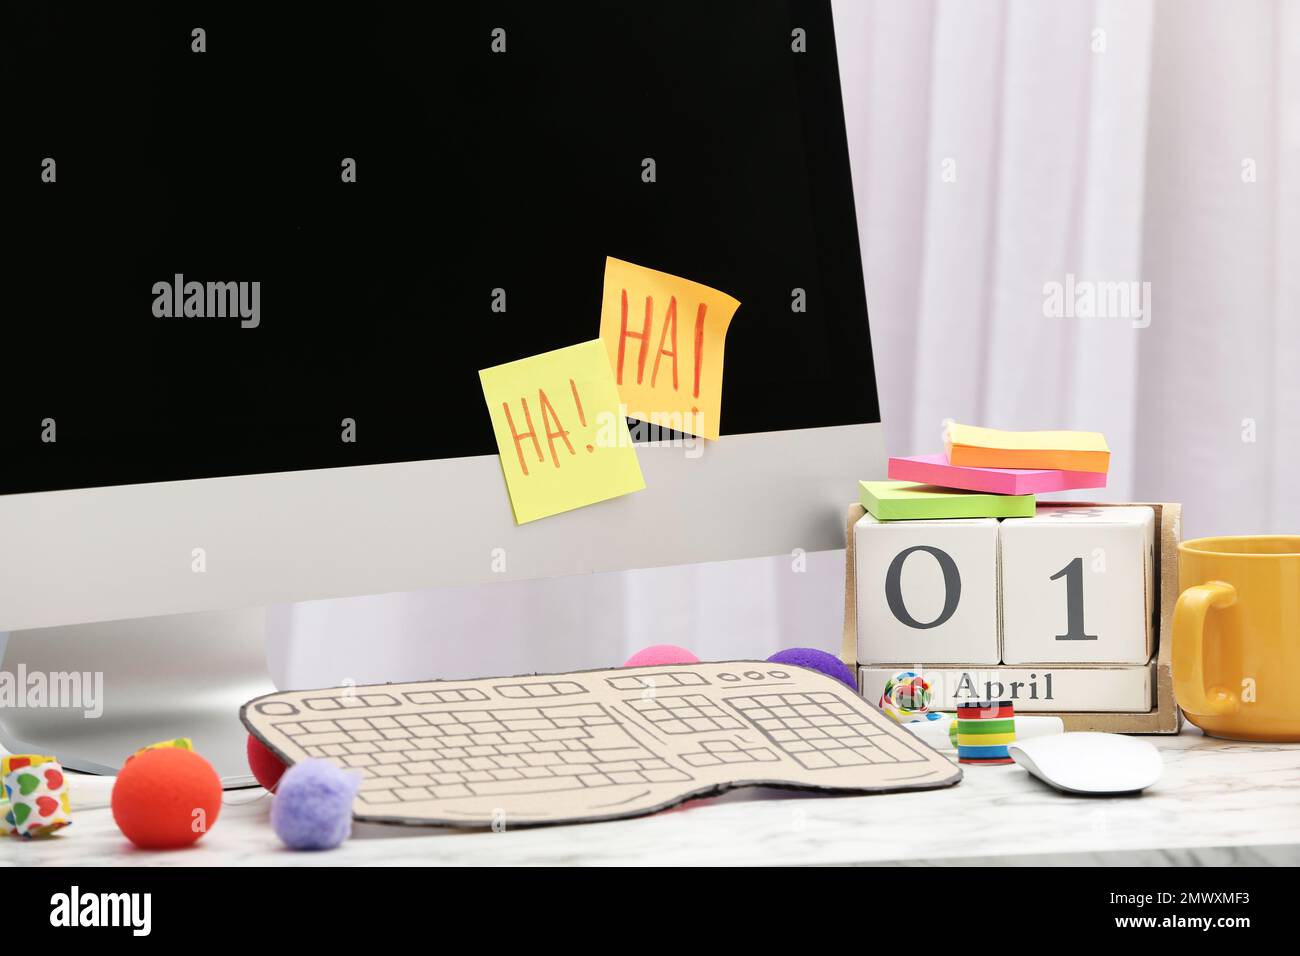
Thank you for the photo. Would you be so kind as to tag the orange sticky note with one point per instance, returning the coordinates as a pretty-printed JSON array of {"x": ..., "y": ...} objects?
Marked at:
[
  {"x": 665, "y": 338},
  {"x": 971, "y": 446},
  {"x": 562, "y": 438}
]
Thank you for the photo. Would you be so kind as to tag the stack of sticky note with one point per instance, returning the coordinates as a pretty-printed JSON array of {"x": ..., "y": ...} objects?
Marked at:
[{"x": 987, "y": 473}]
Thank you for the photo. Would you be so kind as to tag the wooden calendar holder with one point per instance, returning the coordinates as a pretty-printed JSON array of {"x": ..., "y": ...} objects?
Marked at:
[{"x": 1164, "y": 716}]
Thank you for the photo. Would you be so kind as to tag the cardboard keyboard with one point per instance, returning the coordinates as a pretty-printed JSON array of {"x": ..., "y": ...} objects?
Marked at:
[{"x": 594, "y": 745}]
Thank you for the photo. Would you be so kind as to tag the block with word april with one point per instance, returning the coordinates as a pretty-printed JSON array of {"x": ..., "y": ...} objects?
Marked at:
[
  {"x": 927, "y": 591},
  {"x": 1121, "y": 688},
  {"x": 1078, "y": 586}
]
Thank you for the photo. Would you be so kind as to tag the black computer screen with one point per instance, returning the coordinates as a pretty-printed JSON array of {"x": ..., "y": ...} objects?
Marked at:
[{"x": 497, "y": 146}]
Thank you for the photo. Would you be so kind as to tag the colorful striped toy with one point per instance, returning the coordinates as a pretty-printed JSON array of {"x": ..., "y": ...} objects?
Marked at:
[{"x": 984, "y": 728}]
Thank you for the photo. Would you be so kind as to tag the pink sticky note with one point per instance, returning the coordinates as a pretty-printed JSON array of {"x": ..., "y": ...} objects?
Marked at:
[{"x": 935, "y": 470}]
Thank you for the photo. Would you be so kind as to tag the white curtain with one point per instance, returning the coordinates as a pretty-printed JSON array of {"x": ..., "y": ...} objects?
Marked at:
[{"x": 1000, "y": 146}]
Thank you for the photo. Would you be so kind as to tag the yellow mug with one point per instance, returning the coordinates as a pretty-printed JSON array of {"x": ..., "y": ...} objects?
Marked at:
[{"x": 1237, "y": 636}]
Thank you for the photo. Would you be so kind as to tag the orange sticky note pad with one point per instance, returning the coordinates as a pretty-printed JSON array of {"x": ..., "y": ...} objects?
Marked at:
[
  {"x": 665, "y": 338},
  {"x": 971, "y": 446},
  {"x": 562, "y": 438}
]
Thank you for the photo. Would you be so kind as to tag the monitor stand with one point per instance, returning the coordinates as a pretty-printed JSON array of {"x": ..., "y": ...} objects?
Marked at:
[{"x": 148, "y": 680}]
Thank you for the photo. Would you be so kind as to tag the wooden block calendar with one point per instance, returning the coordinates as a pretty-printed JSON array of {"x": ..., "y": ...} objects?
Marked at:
[{"x": 1090, "y": 642}]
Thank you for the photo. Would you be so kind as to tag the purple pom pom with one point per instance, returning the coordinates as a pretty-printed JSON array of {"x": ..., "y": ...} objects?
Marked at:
[
  {"x": 816, "y": 660},
  {"x": 312, "y": 808}
]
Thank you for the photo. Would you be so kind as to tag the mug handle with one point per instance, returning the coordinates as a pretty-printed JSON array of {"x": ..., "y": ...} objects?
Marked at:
[{"x": 1189, "y": 650}]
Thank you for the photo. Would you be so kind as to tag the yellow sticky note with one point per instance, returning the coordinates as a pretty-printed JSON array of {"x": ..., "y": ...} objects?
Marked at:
[
  {"x": 563, "y": 440},
  {"x": 665, "y": 338},
  {"x": 975, "y": 447}
]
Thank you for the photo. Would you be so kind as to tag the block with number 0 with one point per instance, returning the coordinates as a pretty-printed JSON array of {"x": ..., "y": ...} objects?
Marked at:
[
  {"x": 1077, "y": 586},
  {"x": 927, "y": 591}
]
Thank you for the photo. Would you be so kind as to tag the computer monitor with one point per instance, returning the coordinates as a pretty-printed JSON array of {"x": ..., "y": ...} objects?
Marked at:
[{"x": 380, "y": 184}]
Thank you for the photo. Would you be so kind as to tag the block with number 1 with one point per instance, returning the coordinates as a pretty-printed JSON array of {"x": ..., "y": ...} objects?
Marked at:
[{"x": 1078, "y": 586}]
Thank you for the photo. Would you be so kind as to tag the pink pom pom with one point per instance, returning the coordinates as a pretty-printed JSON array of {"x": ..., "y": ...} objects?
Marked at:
[{"x": 661, "y": 654}]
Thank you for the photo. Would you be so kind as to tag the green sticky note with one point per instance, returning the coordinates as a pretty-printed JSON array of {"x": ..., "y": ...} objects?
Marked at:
[{"x": 904, "y": 500}]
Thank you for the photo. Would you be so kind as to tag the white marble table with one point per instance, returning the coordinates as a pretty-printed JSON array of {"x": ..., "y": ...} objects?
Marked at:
[{"x": 1218, "y": 802}]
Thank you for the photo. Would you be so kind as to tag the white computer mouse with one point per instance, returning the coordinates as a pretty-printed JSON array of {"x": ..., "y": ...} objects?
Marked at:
[{"x": 1087, "y": 762}]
